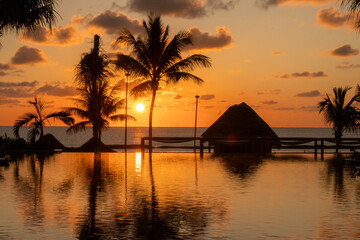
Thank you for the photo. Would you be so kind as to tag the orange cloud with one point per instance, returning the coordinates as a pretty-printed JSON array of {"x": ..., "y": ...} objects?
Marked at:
[
  {"x": 305, "y": 74},
  {"x": 176, "y": 8},
  {"x": 206, "y": 41},
  {"x": 333, "y": 18},
  {"x": 274, "y": 3},
  {"x": 27, "y": 55},
  {"x": 276, "y": 53},
  {"x": 67, "y": 35}
]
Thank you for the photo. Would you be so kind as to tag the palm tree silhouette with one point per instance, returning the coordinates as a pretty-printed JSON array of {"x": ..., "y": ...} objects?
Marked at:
[
  {"x": 20, "y": 14},
  {"x": 157, "y": 58},
  {"x": 341, "y": 115},
  {"x": 98, "y": 101},
  {"x": 37, "y": 120}
]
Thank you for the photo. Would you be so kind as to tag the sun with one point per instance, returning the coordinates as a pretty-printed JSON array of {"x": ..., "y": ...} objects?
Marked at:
[{"x": 139, "y": 107}]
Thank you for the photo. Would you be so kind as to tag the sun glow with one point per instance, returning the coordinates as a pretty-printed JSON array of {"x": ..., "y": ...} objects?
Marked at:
[{"x": 139, "y": 107}]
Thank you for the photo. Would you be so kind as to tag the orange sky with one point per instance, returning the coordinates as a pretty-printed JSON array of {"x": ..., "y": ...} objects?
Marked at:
[{"x": 280, "y": 57}]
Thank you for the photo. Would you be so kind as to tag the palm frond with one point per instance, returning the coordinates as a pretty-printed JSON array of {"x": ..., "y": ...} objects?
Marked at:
[
  {"x": 177, "y": 76},
  {"x": 141, "y": 89},
  {"x": 78, "y": 127},
  {"x": 63, "y": 116},
  {"x": 121, "y": 117},
  {"x": 24, "y": 120}
]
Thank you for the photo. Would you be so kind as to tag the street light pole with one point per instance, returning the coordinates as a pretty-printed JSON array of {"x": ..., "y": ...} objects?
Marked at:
[
  {"x": 196, "y": 109},
  {"x": 126, "y": 108}
]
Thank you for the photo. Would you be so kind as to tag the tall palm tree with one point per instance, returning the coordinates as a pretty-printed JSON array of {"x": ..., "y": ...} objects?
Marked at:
[
  {"x": 37, "y": 120},
  {"x": 20, "y": 14},
  {"x": 157, "y": 58},
  {"x": 98, "y": 101},
  {"x": 341, "y": 115}
]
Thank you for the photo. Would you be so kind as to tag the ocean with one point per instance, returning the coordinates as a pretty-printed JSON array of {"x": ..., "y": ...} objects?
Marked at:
[{"x": 115, "y": 135}]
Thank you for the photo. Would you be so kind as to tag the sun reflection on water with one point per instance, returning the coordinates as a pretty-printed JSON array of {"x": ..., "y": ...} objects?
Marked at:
[{"x": 138, "y": 163}]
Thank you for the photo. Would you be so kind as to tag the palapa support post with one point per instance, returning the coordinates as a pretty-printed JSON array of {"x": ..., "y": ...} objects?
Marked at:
[
  {"x": 142, "y": 146},
  {"x": 201, "y": 148},
  {"x": 209, "y": 146},
  {"x": 316, "y": 148},
  {"x": 322, "y": 149}
]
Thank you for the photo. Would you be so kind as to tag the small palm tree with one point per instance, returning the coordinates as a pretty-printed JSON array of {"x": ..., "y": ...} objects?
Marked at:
[
  {"x": 98, "y": 101},
  {"x": 37, "y": 120},
  {"x": 22, "y": 14},
  {"x": 157, "y": 58},
  {"x": 341, "y": 115}
]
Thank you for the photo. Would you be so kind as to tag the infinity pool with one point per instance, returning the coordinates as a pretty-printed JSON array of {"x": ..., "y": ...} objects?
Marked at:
[{"x": 178, "y": 196}]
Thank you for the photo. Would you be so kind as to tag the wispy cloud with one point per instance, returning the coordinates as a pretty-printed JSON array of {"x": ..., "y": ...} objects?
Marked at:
[
  {"x": 178, "y": 8},
  {"x": 314, "y": 93},
  {"x": 344, "y": 51},
  {"x": 269, "y": 102},
  {"x": 347, "y": 65},
  {"x": 207, "y": 97},
  {"x": 67, "y": 35},
  {"x": 305, "y": 74},
  {"x": 265, "y": 4}
]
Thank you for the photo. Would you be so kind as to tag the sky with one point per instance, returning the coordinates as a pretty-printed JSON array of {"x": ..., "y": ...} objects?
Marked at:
[{"x": 279, "y": 56}]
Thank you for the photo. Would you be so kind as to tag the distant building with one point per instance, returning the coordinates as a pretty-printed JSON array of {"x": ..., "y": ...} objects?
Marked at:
[{"x": 240, "y": 121}]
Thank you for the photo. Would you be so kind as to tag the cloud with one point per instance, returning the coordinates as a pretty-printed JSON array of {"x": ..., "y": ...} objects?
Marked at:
[
  {"x": 114, "y": 23},
  {"x": 267, "y": 92},
  {"x": 314, "y": 93},
  {"x": 265, "y": 4},
  {"x": 344, "y": 51},
  {"x": 270, "y": 102},
  {"x": 276, "y": 53},
  {"x": 347, "y": 65},
  {"x": 56, "y": 90},
  {"x": 28, "y": 55},
  {"x": 6, "y": 101},
  {"x": 333, "y": 18},
  {"x": 5, "y": 66},
  {"x": 179, "y": 8},
  {"x": 18, "y": 84},
  {"x": 309, "y": 108},
  {"x": 67, "y": 35},
  {"x": 206, "y": 41},
  {"x": 303, "y": 74},
  {"x": 177, "y": 97},
  {"x": 15, "y": 92},
  {"x": 285, "y": 109},
  {"x": 207, "y": 97}
]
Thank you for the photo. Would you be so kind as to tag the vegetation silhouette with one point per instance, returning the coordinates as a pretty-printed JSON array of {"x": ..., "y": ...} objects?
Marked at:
[
  {"x": 341, "y": 115},
  {"x": 37, "y": 119},
  {"x": 99, "y": 101},
  {"x": 17, "y": 15},
  {"x": 354, "y": 7},
  {"x": 157, "y": 58}
]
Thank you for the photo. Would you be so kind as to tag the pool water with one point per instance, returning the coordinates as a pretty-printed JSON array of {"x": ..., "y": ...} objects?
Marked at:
[{"x": 178, "y": 196}]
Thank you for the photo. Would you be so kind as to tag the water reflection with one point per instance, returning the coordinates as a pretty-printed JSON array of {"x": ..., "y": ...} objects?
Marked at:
[
  {"x": 243, "y": 166},
  {"x": 177, "y": 196}
]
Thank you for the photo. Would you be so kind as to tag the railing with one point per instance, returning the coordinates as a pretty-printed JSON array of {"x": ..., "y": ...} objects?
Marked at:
[{"x": 315, "y": 144}]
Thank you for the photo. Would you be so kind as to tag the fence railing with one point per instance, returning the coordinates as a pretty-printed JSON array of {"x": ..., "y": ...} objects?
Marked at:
[{"x": 291, "y": 143}]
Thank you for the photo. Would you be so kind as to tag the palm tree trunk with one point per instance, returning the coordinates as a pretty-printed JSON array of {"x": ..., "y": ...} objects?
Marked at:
[
  {"x": 41, "y": 130},
  {"x": 151, "y": 118},
  {"x": 338, "y": 135}
]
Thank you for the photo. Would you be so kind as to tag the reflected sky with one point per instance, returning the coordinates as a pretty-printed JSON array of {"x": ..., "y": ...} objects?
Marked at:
[{"x": 173, "y": 195}]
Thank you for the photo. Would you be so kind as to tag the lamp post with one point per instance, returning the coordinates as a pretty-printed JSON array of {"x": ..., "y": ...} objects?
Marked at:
[
  {"x": 126, "y": 107},
  {"x": 196, "y": 109}
]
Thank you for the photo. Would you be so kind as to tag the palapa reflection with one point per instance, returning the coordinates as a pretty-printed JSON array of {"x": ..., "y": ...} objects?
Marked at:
[{"x": 242, "y": 165}]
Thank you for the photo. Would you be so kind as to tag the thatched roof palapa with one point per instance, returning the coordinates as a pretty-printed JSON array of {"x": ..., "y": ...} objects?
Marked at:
[{"x": 239, "y": 121}]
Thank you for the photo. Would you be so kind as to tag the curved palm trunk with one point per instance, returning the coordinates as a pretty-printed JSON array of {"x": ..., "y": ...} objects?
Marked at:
[{"x": 151, "y": 118}]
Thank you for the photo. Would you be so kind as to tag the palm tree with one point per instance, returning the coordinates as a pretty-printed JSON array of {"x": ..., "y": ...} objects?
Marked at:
[
  {"x": 341, "y": 115},
  {"x": 37, "y": 120},
  {"x": 20, "y": 14},
  {"x": 354, "y": 7},
  {"x": 98, "y": 101},
  {"x": 157, "y": 58}
]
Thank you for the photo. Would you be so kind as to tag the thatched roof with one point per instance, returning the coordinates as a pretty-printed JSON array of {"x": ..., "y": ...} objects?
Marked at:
[
  {"x": 49, "y": 142},
  {"x": 93, "y": 145},
  {"x": 239, "y": 121}
]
